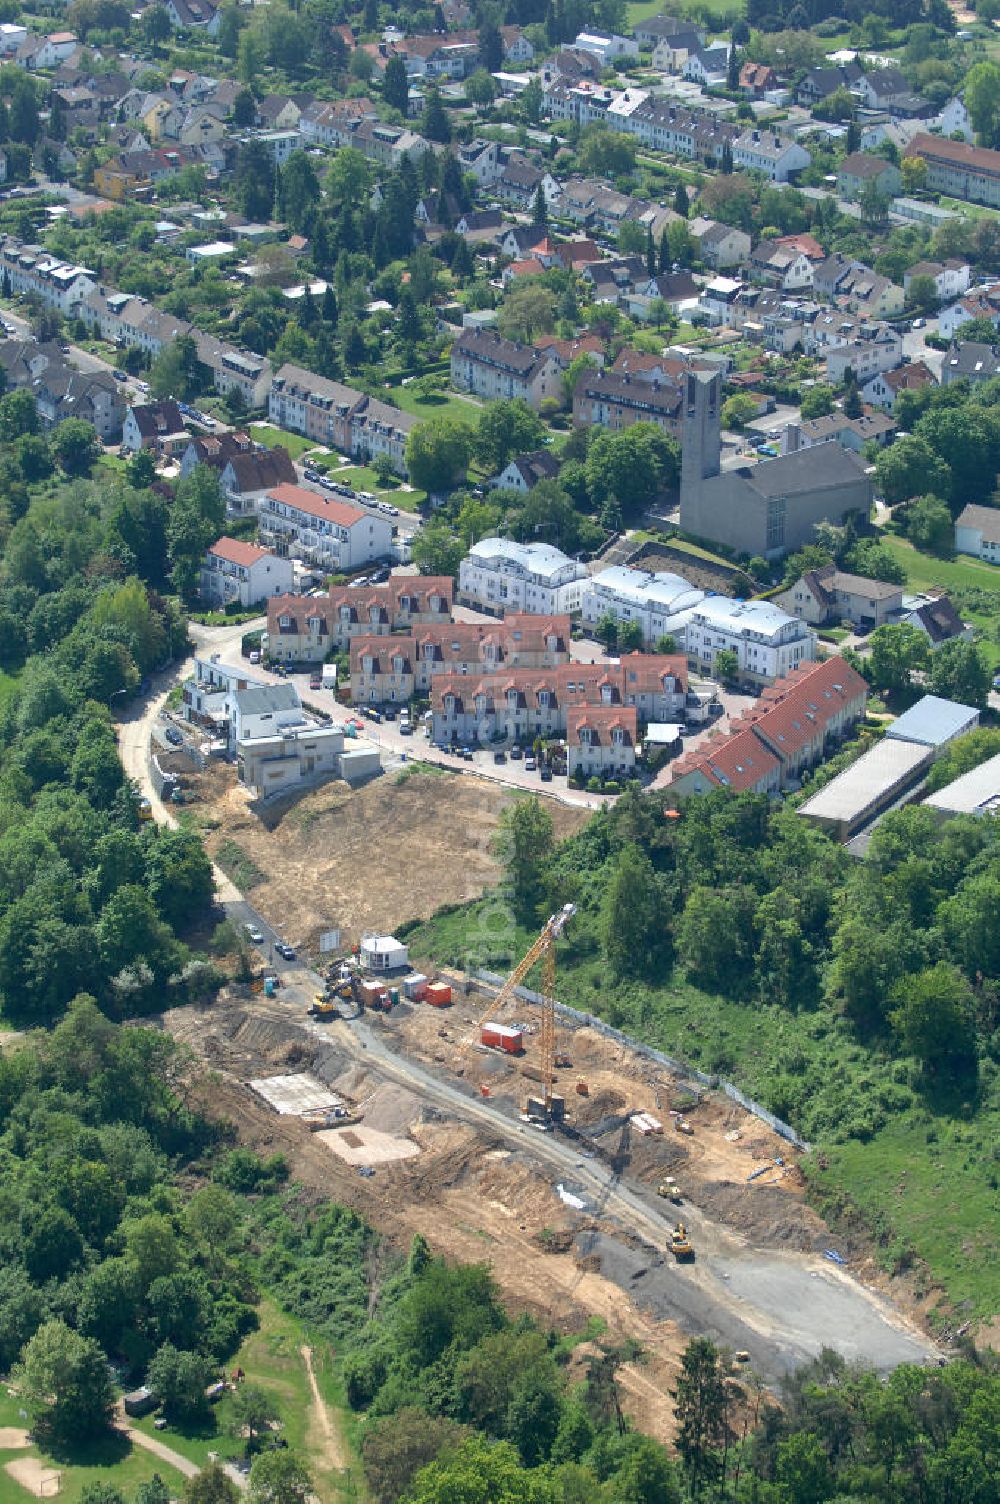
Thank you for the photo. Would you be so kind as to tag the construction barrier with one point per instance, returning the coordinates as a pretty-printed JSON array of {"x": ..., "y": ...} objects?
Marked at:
[{"x": 678, "y": 1067}]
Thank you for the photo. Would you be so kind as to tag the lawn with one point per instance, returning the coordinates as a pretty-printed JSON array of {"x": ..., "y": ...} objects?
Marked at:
[
  {"x": 363, "y": 478},
  {"x": 270, "y": 434},
  {"x": 958, "y": 574},
  {"x": 642, "y": 10},
  {"x": 922, "y": 1176},
  {"x": 116, "y": 1462},
  {"x": 439, "y": 404}
]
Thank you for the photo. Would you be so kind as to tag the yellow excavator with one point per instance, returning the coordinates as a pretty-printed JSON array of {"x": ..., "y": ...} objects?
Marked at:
[{"x": 680, "y": 1244}]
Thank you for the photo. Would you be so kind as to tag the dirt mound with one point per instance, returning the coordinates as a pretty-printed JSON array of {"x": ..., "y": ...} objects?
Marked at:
[{"x": 764, "y": 1214}]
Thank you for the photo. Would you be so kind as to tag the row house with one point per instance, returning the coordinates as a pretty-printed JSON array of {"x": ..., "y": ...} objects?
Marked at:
[
  {"x": 792, "y": 727},
  {"x": 314, "y": 406},
  {"x": 231, "y": 369},
  {"x": 959, "y": 170},
  {"x": 601, "y": 743},
  {"x": 330, "y": 534},
  {"x": 518, "y": 705},
  {"x": 376, "y": 428},
  {"x": 492, "y": 367},
  {"x": 393, "y": 670},
  {"x": 307, "y": 629},
  {"x": 33, "y": 272},
  {"x": 617, "y": 401}
]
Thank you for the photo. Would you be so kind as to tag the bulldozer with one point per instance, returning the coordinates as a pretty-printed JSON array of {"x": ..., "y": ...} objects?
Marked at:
[
  {"x": 324, "y": 1006},
  {"x": 680, "y": 1245}
]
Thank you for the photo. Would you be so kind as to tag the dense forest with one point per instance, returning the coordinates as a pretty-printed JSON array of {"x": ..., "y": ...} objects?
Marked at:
[{"x": 132, "y": 1230}]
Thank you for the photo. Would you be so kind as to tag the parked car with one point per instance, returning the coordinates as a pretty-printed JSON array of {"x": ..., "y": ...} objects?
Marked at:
[
  {"x": 546, "y": 773},
  {"x": 390, "y": 713},
  {"x": 255, "y": 655},
  {"x": 466, "y": 754},
  {"x": 315, "y": 682},
  {"x": 285, "y": 950},
  {"x": 530, "y": 765},
  {"x": 500, "y": 758},
  {"x": 254, "y": 934},
  {"x": 405, "y": 729},
  {"x": 515, "y": 753},
  {"x": 173, "y": 736}
]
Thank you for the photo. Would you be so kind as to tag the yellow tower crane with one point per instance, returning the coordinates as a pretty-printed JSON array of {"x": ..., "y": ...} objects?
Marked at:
[{"x": 544, "y": 949}]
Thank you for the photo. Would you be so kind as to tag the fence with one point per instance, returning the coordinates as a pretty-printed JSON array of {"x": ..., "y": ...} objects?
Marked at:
[{"x": 679, "y": 1067}]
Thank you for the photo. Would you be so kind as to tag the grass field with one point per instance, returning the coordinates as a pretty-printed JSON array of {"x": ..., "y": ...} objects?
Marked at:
[
  {"x": 923, "y": 1174},
  {"x": 441, "y": 403},
  {"x": 641, "y": 10},
  {"x": 270, "y": 434}
]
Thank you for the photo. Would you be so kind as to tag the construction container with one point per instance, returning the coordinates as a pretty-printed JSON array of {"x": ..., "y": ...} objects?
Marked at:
[
  {"x": 582, "y": 1089},
  {"x": 269, "y": 987},
  {"x": 394, "y": 997},
  {"x": 438, "y": 994},
  {"x": 503, "y": 1037},
  {"x": 415, "y": 987}
]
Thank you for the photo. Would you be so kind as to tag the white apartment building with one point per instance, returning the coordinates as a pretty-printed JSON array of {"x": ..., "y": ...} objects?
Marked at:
[
  {"x": 768, "y": 643},
  {"x": 661, "y": 603},
  {"x": 325, "y": 532},
  {"x": 236, "y": 571},
  {"x": 499, "y": 575},
  {"x": 763, "y": 151},
  {"x": 31, "y": 270},
  {"x": 492, "y": 367}
]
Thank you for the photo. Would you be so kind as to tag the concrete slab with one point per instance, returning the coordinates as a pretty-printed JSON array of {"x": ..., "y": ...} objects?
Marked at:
[
  {"x": 359, "y": 1145},
  {"x": 292, "y": 1095}
]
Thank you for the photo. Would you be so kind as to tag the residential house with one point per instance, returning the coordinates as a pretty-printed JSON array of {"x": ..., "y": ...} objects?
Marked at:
[
  {"x": 977, "y": 532},
  {"x": 606, "y": 47},
  {"x": 882, "y": 390},
  {"x": 819, "y": 83},
  {"x": 951, "y": 278},
  {"x": 981, "y": 303},
  {"x": 784, "y": 263},
  {"x": 887, "y": 89},
  {"x": 247, "y": 471},
  {"x": 193, "y": 15},
  {"x": 328, "y": 533},
  {"x": 59, "y": 389},
  {"x": 378, "y": 429},
  {"x": 313, "y": 405},
  {"x": 234, "y": 571},
  {"x": 764, "y": 151},
  {"x": 935, "y": 616},
  {"x": 482, "y": 160},
  {"x": 519, "y": 182},
  {"x": 154, "y": 425},
  {"x": 524, "y": 472},
  {"x": 516, "y": 47},
  {"x": 855, "y": 286},
  {"x": 958, "y": 169},
  {"x": 854, "y": 433},
  {"x": 767, "y": 642},
  {"x": 601, "y": 742},
  {"x": 671, "y": 53},
  {"x": 615, "y": 400},
  {"x": 499, "y": 575},
  {"x": 655, "y": 29},
  {"x": 955, "y": 120},
  {"x": 829, "y": 596},
  {"x": 757, "y": 79},
  {"x": 309, "y": 629},
  {"x": 32, "y": 271},
  {"x": 492, "y": 367},
  {"x": 661, "y": 603},
  {"x": 972, "y": 362},
  {"x": 861, "y": 173},
  {"x": 719, "y": 246}
]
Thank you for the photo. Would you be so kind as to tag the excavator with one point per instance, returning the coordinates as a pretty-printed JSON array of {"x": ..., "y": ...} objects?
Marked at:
[{"x": 543, "y": 950}]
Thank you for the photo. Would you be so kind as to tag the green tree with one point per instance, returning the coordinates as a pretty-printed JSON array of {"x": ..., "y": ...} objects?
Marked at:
[
  {"x": 253, "y": 177},
  {"x": 914, "y": 170},
  {"x": 738, "y": 410},
  {"x": 156, "y": 25},
  {"x": 872, "y": 559},
  {"x": 959, "y": 671},
  {"x": 523, "y": 845},
  {"x": 252, "y": 1412},
  {"x": 196, "y": 521},
  {"x": 701, "y": 1412},
  {"x": 982, "y": 100},
  {"x": 480, "y": 90},
  {"x": 817, "y": 400},
  {"x": 923, "y": 294},
  {"x": 528, "y": 309},
  {"x": 299, "y": 192},
  {"x": 632, "y": 467},
  {"x": 396, "y": 1447},
  {"x": 18, "y": 415},
  {"x": 279, "y": 1478},
  {"x": 971, "y": 921},
  {"x": 803, "y": 1469},
  {"x": 933, "y": 1017},
  {"x": 897, "y": 652},
  {"x": 211, "y": 1486},
  {"x": 910, "y": 468},
  {"x": 76, "y": 446},
  {"x": 179, "y": 1379},
  {"x": 244, "y": 108},
  {"x": 540, "y": 208},
  {"x": 483, "y": 1472},
  {"x": 64, "y": 1383},
  {"x": 176, "y": 371},
  {"x": 715, "y": 937},
  {"x": 929, "y": 525},
  {"x": 506, "y": 429},
  {"x": 435, "y": 126},
  {"x": 438, "y": 452},
  {"x": 437, "y": 549},
  {"x": 396, "y": 85},
  {"x": 726, "y": 666},
  {"x": 634, "y": 920}
]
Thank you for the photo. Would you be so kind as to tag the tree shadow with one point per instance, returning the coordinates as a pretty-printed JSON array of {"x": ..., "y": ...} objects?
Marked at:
[{"x": 108, "y": 1449}]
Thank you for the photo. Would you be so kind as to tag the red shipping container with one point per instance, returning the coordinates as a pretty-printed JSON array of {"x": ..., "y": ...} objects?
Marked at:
[
  {"x": 439, "y": 994},
  {"x": 503, "y": 1037}
]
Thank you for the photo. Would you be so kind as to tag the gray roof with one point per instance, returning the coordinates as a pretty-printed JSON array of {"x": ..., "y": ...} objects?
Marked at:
[
  {"x": 976, "y": 792},
  {"x": 860, "y": 789},
  {"x": 985, "y": 519},
  {"x": 806, "y": 470},
  {"x": 262, "y": 699},
  {"x": 933, "y": 721}
]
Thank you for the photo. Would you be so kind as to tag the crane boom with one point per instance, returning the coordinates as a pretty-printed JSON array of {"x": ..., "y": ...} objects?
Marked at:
[{"x": 543, "y": 949}]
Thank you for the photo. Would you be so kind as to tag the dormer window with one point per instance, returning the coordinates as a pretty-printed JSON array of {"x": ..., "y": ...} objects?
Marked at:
[
  {"x": 373, "y": 613},
  {"x": 284, "y": 622},
  {"x": 544, "y": 698},
  {"x": 397, "y": 663},
  {"x": 345, "y": 613},
  {"x": 428, "y": 651},
  {"x": 618, "y": 736},
  {"x": 314, "y": 623},
  {"x": 512, "y": 698},
  {"x": 369, "y": 663}
]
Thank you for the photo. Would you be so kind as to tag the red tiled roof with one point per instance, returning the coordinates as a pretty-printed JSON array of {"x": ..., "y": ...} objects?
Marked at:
[
  {"x": 234, "y": 551},
  {"x": 315, "y": 505}
]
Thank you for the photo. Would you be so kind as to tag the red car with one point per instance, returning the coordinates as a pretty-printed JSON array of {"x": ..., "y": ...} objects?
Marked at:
[{"x": 315, "y": 682}]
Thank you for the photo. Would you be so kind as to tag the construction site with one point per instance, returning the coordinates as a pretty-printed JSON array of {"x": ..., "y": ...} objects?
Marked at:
[{"x": 600, "y": 1187}]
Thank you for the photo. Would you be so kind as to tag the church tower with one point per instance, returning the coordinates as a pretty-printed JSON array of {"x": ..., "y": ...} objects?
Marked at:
[{"x": 701, "y": 443}]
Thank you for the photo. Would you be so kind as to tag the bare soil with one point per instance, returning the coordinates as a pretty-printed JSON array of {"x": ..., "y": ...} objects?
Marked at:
[
  {"x": 39, "y": 1478},
  {"x": 362, "y": 859}
]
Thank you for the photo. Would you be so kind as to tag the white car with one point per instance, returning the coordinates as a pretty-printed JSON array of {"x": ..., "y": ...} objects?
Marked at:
[{"x": 254, "y": 934}]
